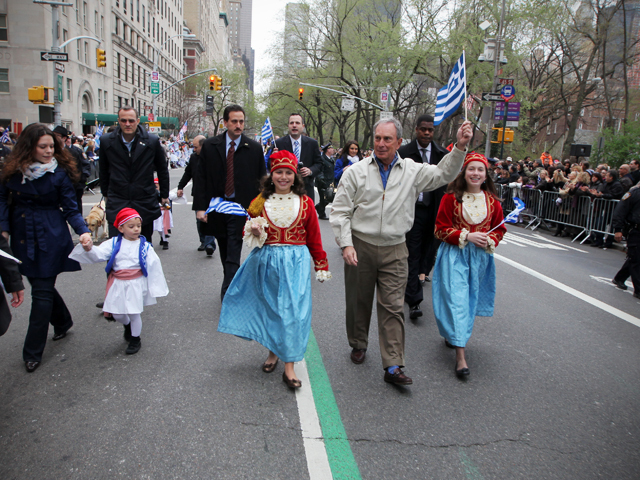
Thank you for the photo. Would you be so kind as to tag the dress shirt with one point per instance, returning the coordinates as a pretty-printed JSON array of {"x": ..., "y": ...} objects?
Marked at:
[
  {"x": 384, "y": 174},
  {"x": 128, "y": 144}
]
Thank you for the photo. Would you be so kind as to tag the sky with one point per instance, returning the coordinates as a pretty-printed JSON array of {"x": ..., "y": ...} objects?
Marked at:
[{"x": 267, "y": 19}]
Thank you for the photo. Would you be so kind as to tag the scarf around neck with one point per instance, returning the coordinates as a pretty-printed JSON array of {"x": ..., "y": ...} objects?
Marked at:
[{"x": 37, "y": 170}]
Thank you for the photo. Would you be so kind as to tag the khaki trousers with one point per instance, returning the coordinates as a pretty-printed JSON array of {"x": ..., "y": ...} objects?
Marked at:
[{"x": 383, "y": 269}]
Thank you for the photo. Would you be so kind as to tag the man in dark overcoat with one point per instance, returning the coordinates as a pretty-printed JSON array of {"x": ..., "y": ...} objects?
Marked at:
[
  {"x": 306, "y": 149},
  {"x": 129, "y": 156},
  {"x": 421, "y": 243},
  {"x": 231, "y": 167}
]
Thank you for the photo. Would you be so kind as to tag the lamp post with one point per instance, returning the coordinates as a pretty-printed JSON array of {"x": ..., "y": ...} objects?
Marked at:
[
  {"x": 499, "y": 47},
  {"x": 155, "y": 65}
]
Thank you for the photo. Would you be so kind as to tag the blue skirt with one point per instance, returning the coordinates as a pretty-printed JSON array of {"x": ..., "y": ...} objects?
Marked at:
[
  {"x": 463, "y": 287},
  {"x": 269, "y": 300}
]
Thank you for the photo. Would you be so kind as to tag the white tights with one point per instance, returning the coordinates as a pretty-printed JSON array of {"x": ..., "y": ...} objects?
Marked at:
[{"x": 134, "y": 319}]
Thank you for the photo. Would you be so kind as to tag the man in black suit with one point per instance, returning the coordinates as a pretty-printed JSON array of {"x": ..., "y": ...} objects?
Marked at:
[
  {"x": 421, "y": 243},
  {"x": 231, "y": 167},
  {"x": 305, "y": 148}
]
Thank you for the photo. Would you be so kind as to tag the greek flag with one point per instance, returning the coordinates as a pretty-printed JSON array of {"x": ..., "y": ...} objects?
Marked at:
[
  {"x": 5, "y": 137},
  {"x": 219, "y": 205},
  {"x": 98, "y": 134},
  {"x": 182, "y": 132},
  {"x": 513, "y": 215},
  {"x": 451, "y": 95},
  {"x": 267, "y": 131}
]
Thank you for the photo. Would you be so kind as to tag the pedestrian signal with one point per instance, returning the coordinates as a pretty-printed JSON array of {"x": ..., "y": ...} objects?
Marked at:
[
  {"x": 39, "y": 94},
  {"x": 508, "y": 135}
]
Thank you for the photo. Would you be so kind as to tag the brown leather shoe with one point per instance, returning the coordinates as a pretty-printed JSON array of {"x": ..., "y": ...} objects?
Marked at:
[
  {"x": 357, "y": 355},
  {"x": 291, "y": 382},
  {"x": 269, "y": 367},
  {"x": 397, "y": 378}
]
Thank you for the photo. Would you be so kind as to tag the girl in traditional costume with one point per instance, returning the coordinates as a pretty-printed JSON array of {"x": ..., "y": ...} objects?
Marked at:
[
  {"x": 464, "y": 279},
  {"x": 135, "y": 274},
  {"x": 269, "y": 299}
]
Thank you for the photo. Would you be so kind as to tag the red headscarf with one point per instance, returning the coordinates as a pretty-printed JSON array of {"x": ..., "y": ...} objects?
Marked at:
[{"x": 125, "y": 215}]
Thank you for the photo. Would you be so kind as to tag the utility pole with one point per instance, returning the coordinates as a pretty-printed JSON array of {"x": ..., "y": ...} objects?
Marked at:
[{"x": 496, "y": 63}]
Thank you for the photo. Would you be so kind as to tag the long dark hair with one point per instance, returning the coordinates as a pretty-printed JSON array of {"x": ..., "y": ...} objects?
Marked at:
[
  {"x": 267, "y": 188},
  {"x": 459, "y": 185},
  {"x": 22, "y": 154},
  {"x": 345, "y": 149}
]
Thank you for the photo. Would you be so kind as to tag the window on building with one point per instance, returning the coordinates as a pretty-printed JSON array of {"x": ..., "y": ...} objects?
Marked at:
[
  {"x": 582, "y": 112},
  {"x": 4, "y": 80},
  {"x": 117, "y": 65},
  {"x": 65, "y": 37},
  {"x": 84, "y": 15},
  {"x": 555, "y": 127},
  {"x": 119, "y": 102},
  {"x": 101, "y": 27},
  {"x": 131, "y": 9},
  {"x": 86, "y": 53},
  {"x": 99, "y": 97},
  {"x": 143, "y": 25},
  {"x": 105, "y": 99},
  {"x": 117, "y": 24},
  {"x": 138, "y": 11},
  {"x": 69, "y": 88},
  {"x": 126, "y": 69},
  {"x": 78, "y": 11},
  {"x": 78, "y": 49},
  {"x": 4, "y": 33}
]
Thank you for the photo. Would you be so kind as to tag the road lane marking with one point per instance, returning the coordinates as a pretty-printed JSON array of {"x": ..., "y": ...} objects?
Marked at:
[
  {"x": 572, "y": 291},
  {"x": 314, "y": 449},
  {"x": 608, "y": 281},
  {"x": 338, "y": 450}
]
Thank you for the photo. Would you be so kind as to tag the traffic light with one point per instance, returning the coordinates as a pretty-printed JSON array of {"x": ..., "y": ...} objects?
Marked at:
[
  {"x": 218, "y": 83},
  {"x": 212, "y": 82},
  {"x": 508, "y": 135},
  {"x": 300, "y": 93},
  {"x": 101, "y": 58},
  {"x": 39, "y": 94}
]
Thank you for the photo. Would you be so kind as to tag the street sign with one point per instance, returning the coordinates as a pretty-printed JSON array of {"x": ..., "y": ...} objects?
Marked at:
[
  {"x": 155, "y": 124},
  {"x": 508, "y": 92},
  {"x": 505, "y": 81},
  {"x": 512, "y": 124},
  {"x": 512, "y": 108},
  {"x": 54, "y": 57},
  {"x": 155, "y": 76},
  {"x": 148, "y": 107},
  {"x": 151, "y": 117},
  {"x": 60, "y": 97},
  {"x": 384, "y": 96},
  {"x": 348, "y": 104},
  {"x": 491, "y": 97},
  {"x": 60, "y": 67},
  {"x": 155, "y": 88},
  {"x": 154, "y": 129},
  {"x": 385, "y": 115}
]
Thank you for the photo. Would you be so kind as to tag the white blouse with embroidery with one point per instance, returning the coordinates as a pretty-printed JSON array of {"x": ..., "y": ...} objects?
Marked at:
[{"x": 474, "y": 211}]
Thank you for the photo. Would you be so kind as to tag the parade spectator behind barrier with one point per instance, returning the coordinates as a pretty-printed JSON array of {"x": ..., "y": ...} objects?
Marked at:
[
  {"x": 37, "y": 199},
  {"x": 626, "y": 184},
  {"x": 596, "y": 181},
  {"x": 269, "y": 299},
  {"x": 12, "y": 282},
  {"x": 546, "y": 184},
  {"x": 373, "y": 240},
  {"x": 610, "y": 190},
  {"x": 128, "y": 157},
  {"x": 566, "y": 164},
  {"x": 351, "y": 154},
  {"x": 634, "y": 172},
  {"x": 468, "y": 212},
  {"x": 535, "y": 172},
  {"x": 564, "y": 202}
]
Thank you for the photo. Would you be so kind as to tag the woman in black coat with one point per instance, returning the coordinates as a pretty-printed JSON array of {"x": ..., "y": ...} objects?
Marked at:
[{"x": 37, "y": 199}]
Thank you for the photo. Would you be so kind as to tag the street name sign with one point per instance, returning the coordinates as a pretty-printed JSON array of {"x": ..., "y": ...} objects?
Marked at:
[
  {"x": 54, "y": 57},
  {"x": 155, "y": 88},
  {"x": 386, "y": 115},
  {"x": 348, "y": 104},
  {"x": 505, "y": 81}
]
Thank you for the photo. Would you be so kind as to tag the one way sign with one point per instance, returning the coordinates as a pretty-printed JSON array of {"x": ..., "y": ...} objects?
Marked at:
[
  {"x": 54, "y": 57},
  {"x": 491, "y": 97}
]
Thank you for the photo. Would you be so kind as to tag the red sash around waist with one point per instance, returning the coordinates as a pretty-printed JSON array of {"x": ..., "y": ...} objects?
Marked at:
[{"x": 124, "y": 274}]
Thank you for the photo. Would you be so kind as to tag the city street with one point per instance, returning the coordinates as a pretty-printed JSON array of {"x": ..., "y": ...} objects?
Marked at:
[{"x": 553, "y": 391}]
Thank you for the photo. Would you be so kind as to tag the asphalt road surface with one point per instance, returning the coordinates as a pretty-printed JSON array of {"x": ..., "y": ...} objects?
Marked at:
[{"x": 553, "y": 392}]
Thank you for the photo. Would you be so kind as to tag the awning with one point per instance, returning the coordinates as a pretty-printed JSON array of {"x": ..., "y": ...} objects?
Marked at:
[{"x": 107, "y": 119}]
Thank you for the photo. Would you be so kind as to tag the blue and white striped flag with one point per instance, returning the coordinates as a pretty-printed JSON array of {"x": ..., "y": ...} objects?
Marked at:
[
  {"x": 98, "y": 134},
  {"x": 267, "y": 131},
  {"x": 219, "y": 205},
  {"x": 513, "y": 215},
  {"x": 451, "y": 95},
  {"x": 182, "y": 131},
  {"x": 5, "y": 136}
]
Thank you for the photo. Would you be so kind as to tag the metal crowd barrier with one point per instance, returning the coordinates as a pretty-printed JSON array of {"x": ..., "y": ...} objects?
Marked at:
[
  {"x": 602, "y": 215},
  {"x": 532, "y": 200},
  {"x": 565, "y": 213}
]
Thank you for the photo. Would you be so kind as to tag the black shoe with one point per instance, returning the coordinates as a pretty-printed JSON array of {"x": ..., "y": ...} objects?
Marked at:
[
  {"x": 134, "y": 346},
  {"x": 415, "y": 312},
  {"x": 397, "y": 378},
  {"x": 201, "y": 247},
  {"x": 210, "y": 250},
  {"x": 462, "y": 373},
  {"x": 165, "y": 246},
  {"x": 168, "y": 230},
  {"x": 99, "y": 304},
  {"x": 127, "y": 332},
  {"x": 446, "y": 342},
  {"x": 620, "y": 285},
  {"x": 58, "y": 336},
  {"x": 31, "y": 366}
]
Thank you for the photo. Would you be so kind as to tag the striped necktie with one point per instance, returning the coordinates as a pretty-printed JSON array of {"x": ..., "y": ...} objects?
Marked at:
[
  {"x": 296, "y": 149},
  {"x": 229, "y": 186}
]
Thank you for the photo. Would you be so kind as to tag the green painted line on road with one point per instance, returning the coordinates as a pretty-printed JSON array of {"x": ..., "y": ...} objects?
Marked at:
[
  {"x": 470, "y": 470},
  {"x": 341, "y": 460}
]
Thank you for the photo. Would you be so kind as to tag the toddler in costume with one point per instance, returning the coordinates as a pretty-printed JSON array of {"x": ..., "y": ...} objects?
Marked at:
[
  {"x": 135, "y": 274},
  {"x": 164, "y": 223},
  {"x": 269, "y": 299}
]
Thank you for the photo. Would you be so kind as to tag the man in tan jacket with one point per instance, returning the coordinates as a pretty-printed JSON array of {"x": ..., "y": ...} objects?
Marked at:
[{"x": 371, "y": 214}]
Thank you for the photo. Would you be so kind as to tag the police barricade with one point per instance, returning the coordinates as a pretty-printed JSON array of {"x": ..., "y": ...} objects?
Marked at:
[
  {"x": 569, "y": 211},
  {"x": 532, "y": 200},
  {"x": 602, "y": 215}
]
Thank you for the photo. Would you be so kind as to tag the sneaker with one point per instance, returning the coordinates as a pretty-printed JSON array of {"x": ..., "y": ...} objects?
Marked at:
[
  {"x": 201, "y": 247},
  {"x": 134, "y": 346}
]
